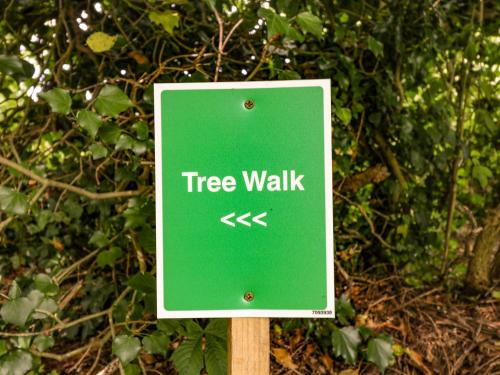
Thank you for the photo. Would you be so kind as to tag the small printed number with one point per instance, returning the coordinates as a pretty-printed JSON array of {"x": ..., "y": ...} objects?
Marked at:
[{"x": 322, "y": 312}]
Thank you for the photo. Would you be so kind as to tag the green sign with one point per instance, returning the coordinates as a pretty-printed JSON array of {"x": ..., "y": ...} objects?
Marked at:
[{"x": 244, "y": 199}]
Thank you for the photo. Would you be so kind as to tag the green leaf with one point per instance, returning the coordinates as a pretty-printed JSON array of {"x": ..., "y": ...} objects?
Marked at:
[
  {"x": 126, "y": 348},
  {"x": 101, "y": 42},
  {"x": 156, "y": 343},
  {"x": 143, "y": 282},
  {"x": 42, "y": 343},
  {"x": 132, "y": 369},
  {"x": 375, "y": 46},
  {"x": 215, "y": 355},
  {"x": 125, "y": 142},
  {"x": 13, "y": 202},
  {"x": 17, "y": 362},
  {"x": 110, "y": 133},
  {"x": 168, "y": 19},
  {"x": 58, "y": 99},
  {"x": 344, "y": 114},
  {"x": 134, "y": 217},
  {"x": 217, "y": 328},
  {"x": 89, "y": 121},
  {"x": 188, "y": 357},
  {"x": 141, "y": 129},
  {"x": 310, "y": 23},
  {"x": 109, "y": 257},
  {"x": 139, "y": 148},
  {"x": 380, "y": 352},
  {"x": 345, "y": 343},
  {"x": 276, "y": 25},
  {"x": 146, "y": 239},
  {"x": 45, "y": 285},
  {"x": 98, "y": 151},
  {"x": 99, "y": 239},
  {"x": 481, "y": 174},
  {"x": 3, "y": 347},
  {"x": 344, "y": 310},
  {"x": 112, "y": 101},
  {"x": 169, "y": 326},
  {"x": 47, "y": 304},
  {"x": 17, "y": 311},
  {"x": 16, "y": 67}
]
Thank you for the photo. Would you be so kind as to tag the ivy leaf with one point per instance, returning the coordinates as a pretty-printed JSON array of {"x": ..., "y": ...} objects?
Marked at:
[
  {"x": 143, "y": 282},
  {"x": 125, "y": 142},
  {"x": 42, "y": 343},
  {"x": 344, "y": 310},
  {"x": 47, "y": 304},
  {"x": 169, "y": 326},
  {"x": 45, "y": 285},
  {"x": 17, "y": 311},
  {"x": 276, "y": 25},
  {"x": 132, "y": 369},
  {"x": 310, "y": 23},
  {"x": 112, "y": 101},
  {"x": 375, "y": 46},
  {"x": 101, "y": 42},
  {"x": 146, "y": 239},
  {"x": 17, "y": 362},
  {"x": 16, "y": 67},
  {"x": 156, "y": 343},
  {"x": 13, "y": 202},
  {"x": 344, "y": 114},
  {"x": 109, "y": 257},
  {"x": 89, "y": 121},
  {"x": 58, "y": 99},
  {"x": 345, "y": 343},
  {"x": 141, "y": 129},
  {"x": 110, "y": 133},
  {"x": 188, "y": 357},
  {"x": 98, "y": 151},
  {"x": 99, "y": 239},
  {"x": 380, "y": 352},
  {"x": 168, "y": 19},
  {"x": 215, "y": 355},
  {"x": 126, "y": 348}
]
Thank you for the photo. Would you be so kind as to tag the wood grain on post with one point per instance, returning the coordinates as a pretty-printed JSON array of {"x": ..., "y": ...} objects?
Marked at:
[{"x": 248, "y": 346}]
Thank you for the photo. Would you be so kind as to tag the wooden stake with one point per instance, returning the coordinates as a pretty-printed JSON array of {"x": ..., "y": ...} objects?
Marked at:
[{"x": 248, "y": 346}]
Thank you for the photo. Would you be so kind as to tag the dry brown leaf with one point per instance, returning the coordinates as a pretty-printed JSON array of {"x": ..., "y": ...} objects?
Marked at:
[
  {"x": 58, "y": 245},
  {"x": 138, "y": 57},
  {"x": 418, "y": 360},
  {"x": 309, "y": 350},
  {"x": 349, "y": 371},
  {"x": 327, "y": 362},
  {"x": 284, "y": 358}
]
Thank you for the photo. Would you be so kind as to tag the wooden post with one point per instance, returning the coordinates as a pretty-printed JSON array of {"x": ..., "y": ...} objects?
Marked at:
[{"x": 248, "y": 346}]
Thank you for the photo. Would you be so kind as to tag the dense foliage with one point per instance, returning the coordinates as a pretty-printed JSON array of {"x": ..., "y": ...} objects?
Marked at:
[{"x": 415, "y": 138}]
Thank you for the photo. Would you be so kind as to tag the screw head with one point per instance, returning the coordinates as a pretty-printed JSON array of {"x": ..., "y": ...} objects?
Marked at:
[
  {"x": 249, "y": 104},
  {"x": 249, "y": 296}
]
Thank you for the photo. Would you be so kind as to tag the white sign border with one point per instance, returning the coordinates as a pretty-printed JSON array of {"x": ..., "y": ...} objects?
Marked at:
[{"x": 329, "y": 311}]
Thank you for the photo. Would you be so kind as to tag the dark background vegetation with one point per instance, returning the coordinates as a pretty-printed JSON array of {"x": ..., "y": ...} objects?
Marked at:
[{"x": 415, "y": 158}]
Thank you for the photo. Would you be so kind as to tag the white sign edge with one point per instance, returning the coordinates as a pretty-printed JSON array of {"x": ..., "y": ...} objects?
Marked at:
[{"x": 329, "y": 310}]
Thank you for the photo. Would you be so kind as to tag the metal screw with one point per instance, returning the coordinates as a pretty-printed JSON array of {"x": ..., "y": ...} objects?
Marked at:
[
  {"x": 248, "y": 296},
  {"x": 249, "y": 103}
]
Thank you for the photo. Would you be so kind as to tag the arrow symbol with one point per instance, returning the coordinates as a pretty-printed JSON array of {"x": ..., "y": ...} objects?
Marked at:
[
  {"x": 255, "y": 219},
  {"x": 226, "y": 221},
  {"x": 241, "y": 219}
]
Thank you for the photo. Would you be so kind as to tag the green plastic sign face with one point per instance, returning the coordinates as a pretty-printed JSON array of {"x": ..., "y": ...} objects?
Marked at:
[{"x": 244, "y": 199}]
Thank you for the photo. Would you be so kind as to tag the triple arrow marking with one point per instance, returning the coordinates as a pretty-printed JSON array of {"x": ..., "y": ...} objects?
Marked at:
[{"x": 241, "y": 219}]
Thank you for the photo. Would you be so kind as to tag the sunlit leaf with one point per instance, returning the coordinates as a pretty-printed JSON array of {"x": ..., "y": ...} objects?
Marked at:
[
  {"x": 126, "y": 348},
  {"x": 101, "y": 42},
  {"x": 168, "y": 19},
  {"x": 13, "y": 202}
]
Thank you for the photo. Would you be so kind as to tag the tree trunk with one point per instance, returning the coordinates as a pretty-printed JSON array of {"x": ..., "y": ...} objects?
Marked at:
[{"x": 483, "y": 267}]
